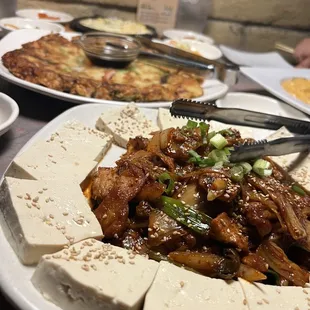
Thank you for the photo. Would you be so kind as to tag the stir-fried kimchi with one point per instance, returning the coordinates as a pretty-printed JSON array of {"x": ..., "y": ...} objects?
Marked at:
[{"x": 177, "y": 197}]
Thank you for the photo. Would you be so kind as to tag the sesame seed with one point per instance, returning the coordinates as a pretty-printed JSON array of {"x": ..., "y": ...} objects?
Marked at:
[
  {"x": 85, "y": 267},
  {"x": 19, "y": 196},
  {"x": 259, "y": 302},
  {"x": 28, "y": 205},
  {"x": 305, "y": 291},
  {"x": 244, "y": 301},
  {"x": 45, "y": 188},
  {"x": 65, "y": 213},
  {"x": 106, "y": 262},
  {"x": 182, "y": 283},
  {"x": 47, "y": 200},
  {"x": 265, "y": 301},
  {"x": 94, "y": 267},
  {"x": 36, "y": 199},
  {"x": 40, "y": 192}
]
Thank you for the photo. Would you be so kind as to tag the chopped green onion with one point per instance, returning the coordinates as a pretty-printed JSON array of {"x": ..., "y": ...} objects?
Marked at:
[
  {"x": 236, "y": 173},
  {"x": 218, "y": 155},
  {"x": 207, "y": 162},
  {"x": 166, "y": 177},
  {"x": 226, "y": 132},
  {"x": 261, "y": 167},
  {"x": 298, "y": 190},
  {"x": 246, "y": 167},
  {"x": 191, "y": 124},
  {"x": 204, "y": 129},
  {"x": 227, "y": 150},
  {"x": 195, "y": 157},
  {"x": 218, "y": 165},
  {"x": 187, "y": 216},
  {"x": 211, "y": 135},
  {"x": 218, "y": 141}
]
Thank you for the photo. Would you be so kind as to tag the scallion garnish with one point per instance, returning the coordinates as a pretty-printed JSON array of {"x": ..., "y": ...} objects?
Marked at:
[
  {"x": 298, "y": 190},
  {"x": 166, "y": 177},
  {"x": 191, "y": 124},
  {"x": 262, "y": 168},
  {"x": 204, "y": 129},
  {"x": 237, "y": 173},
  {"x": 218, "y": 141}
]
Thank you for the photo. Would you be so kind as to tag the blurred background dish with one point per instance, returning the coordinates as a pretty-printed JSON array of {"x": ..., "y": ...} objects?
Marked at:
[
  {"x": 242, "y": 58},
  {"x": 206, "y": 50},
  {"x": 112, "y": 25},
  {"x": 17, "y": 23},
  {"x": 46, "y": 15},
  {"x": 176, "y": 34},
  {"x": 8, "y": 113}
]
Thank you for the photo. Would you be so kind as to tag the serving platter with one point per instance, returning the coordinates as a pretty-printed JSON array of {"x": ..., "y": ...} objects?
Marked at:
[
  {"x": 33, "y": 14},
  {"x": 213, "y": 89},
  {"x": 15, "y": 277},
  {"x": 271, "y": 80}
]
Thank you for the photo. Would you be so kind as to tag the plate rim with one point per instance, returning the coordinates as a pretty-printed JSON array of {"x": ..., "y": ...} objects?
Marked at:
[
  {"x": 66, "y": 19},
  {"x": 208, "y": 39},
  {"x": 5, "y": 126}
]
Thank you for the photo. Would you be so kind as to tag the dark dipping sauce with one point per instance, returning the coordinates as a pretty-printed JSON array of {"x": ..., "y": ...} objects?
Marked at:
[{"x": 109, "y": 63}]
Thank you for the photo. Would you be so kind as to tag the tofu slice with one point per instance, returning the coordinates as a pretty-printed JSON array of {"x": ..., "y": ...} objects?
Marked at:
[
  {"x": 71, "y": 153},
  {"x": 125, "y": 123},
  {"x": 269, "y": 297},
  {"x": 76, "y": 139},
  {"x": 297, "y": 165},
  {"x": 93, "y": 275},
  {"x": 177, "y": 288},
  {"x": 42, "y": 217},
  {"x": 166, "y": 120}
]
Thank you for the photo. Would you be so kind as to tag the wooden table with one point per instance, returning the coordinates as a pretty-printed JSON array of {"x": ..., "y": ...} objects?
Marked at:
[{"x": 36, "y": 111}]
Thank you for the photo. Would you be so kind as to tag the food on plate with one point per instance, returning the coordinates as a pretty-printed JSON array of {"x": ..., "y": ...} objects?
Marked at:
[
  {"x": 115, "y": 25},
  {"x": 41, "y": 217},
  {"x": 124, "y": 123},
  {"x": 62, "y": 65},
  {"x": 46, "y": 16},
  {"x": 184, "y": 46},
  {"x": 11, "y": 26},
  {"x": 62, "y": 155},
  {"x": 268, "y": 297},
  {"x": 298, "y": 87},
  {"x": 175, "y": 288},
  {"x": 93, "y": 275},
  {"x": 175, "y": 196},
  {"x": 166, "y": 120}
]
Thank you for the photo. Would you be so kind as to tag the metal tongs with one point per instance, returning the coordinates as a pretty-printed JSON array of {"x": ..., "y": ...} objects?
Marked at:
[
  {"x": 278, "y": 147},
  {"x": 210, "y": 111},
  {"x": 249, "y": 150}
]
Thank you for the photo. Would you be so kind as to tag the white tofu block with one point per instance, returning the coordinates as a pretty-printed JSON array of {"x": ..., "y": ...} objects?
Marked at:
[
  {"x": 297, "y": 165},
  {"x": 269, "y": 297},
  {"x": 42, "y": 217},
  {"x": 76, "y": 139},
  {"x": 42, "y": 161},
  {"x": 93, "y": 275},
  {"x": 166, "y": 120},
  {"x": 177, "y": 288},
  {"x": 125, "y": 123}
]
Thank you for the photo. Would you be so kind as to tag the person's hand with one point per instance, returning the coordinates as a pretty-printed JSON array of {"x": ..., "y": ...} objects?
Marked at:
[{"x": 302, "y": 53}]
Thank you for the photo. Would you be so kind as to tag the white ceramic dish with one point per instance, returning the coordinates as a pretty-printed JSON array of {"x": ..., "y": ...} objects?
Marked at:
[
  {"x": 212, "y": 88},
  {"x": 17, "y": 23},
  {"x": 8, "y": 113},
  {"x": 241, "y": 58},
  {"x": 271, "y": 80},
  {"x": 206, "y": 50},
  {"x": 15, "y": 277},
  {"x": 33, "y": 14},
  {"x": 177, "y": 34}
]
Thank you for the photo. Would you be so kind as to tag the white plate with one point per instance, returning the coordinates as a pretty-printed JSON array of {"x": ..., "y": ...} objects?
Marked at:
[
  {"x": 24, "y": 23},
  {"x": 271, "y": 80},
  {"x": 176, "y": 34},
  {"x": 14, "y": 277},
  {"x": 8, "y": 113},
  {"x": 212, "y": 88},
  {"x": 33, "y": 14},
  {"x": 206, "y": 50},
  {"x": 241, "y": 58}
]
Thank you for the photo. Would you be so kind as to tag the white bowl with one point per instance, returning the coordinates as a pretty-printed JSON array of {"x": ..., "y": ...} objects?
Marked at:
[
  {"x": 17, "y": 23},
  {"x": 206, "y": 50},
  {"x": 176, "y": 34},
  {"x": 34, "y": 15},
  {"x": 8, "y": 113}
]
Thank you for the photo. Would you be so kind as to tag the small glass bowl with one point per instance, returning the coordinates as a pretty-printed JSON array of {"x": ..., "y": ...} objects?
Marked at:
[{"x": 109, "y": 49}]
